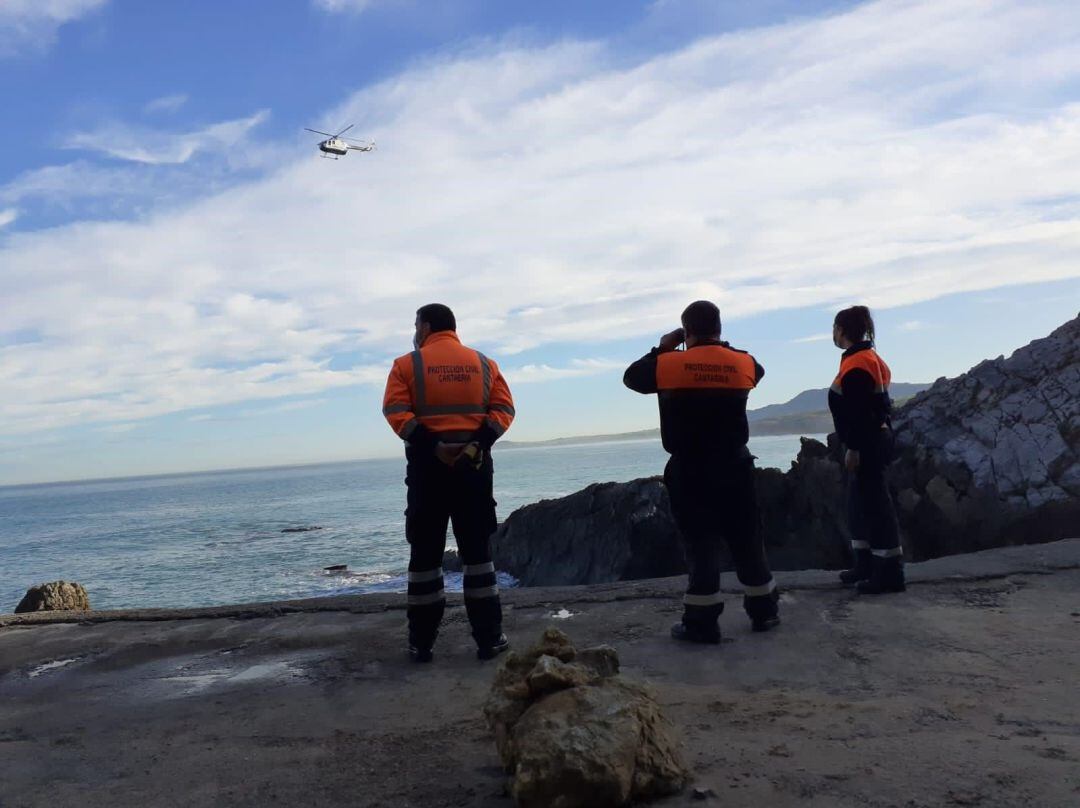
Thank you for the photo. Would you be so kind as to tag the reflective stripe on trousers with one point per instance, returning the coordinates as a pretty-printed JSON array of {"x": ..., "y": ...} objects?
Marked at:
[{"x": 479, "y": 581}]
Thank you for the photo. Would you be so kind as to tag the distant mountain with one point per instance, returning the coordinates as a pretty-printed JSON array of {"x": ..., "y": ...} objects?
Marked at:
[
  {"x": 817, "y": 401},
  {"x": 806, "y": 414}
]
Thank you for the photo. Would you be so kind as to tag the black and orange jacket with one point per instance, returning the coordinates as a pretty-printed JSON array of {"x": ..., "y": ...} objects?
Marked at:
[
  {"x": 702, "y": 393},
  {"x": 859, "y": 397},
  {"x": 448, "y": 392}
]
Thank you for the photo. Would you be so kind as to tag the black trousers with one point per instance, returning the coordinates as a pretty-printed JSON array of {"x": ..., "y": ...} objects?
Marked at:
[
  {"x": 871, "y": 513},
  {"x": 439, "y": 495},
  {"x": 714, "y": 503}
]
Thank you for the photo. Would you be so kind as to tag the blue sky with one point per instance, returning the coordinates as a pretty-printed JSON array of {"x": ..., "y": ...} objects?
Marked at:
[{"x": 186, "y": 285}]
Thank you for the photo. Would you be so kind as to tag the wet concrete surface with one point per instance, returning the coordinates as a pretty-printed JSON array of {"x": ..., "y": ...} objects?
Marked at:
[{"x": 961, "y": 691}]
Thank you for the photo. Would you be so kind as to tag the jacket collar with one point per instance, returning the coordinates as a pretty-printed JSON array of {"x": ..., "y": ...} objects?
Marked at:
[
  {"x": 865, "y": 345},
  {"x": 704, "y": 342},
  {"x": 441, "y": 336}
]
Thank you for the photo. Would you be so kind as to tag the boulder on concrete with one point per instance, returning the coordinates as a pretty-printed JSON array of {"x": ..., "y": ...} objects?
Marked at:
[
  {"x": 57, "y": 596},
  {"x": 573, "y": 733}
]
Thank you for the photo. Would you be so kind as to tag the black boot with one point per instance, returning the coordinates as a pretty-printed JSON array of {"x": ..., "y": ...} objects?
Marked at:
[
  {"x": 494, "y": 648},
  {"x": 861, "y": 570},
  {"x": 886, "y": 575},
  {"x": 706, "y": 636},
  {"x": 419, "y": 653}
]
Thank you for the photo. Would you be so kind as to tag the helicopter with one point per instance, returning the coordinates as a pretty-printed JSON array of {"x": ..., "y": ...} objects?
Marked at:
[{"x": 335, "y": 146}]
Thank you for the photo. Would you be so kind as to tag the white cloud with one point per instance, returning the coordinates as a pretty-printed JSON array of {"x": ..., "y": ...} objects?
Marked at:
[
  {"x": 578, "y": 367},
  {"x": 288, "y": 406},
  {"x": 117, "y": 429},
  {"x": 814, "y": 338},
  {"x": 892, "y": 154},
  {"x": 166, "y": 103},
  {"x": 354, "y": 6},
  {"x": 142, "y": 145},
  {"x": 32, "y": 24},
  {"x": 912, "y": 325},
  {"x": 8, "y": 216}
]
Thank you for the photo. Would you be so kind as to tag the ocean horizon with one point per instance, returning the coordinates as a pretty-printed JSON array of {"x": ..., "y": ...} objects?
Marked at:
[{"x": 228, "y": 536}]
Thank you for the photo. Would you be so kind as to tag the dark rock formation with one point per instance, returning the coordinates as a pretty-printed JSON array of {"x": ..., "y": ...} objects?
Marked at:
[
  {"x": 451, "y": 561},
  {"x": 606, "y": 532},
  {"x": 625, "y": 531},
  {"x": 992, "y": 458},
  {"x": 58, "y": 596},
  {"x": 573, "y": 733}
]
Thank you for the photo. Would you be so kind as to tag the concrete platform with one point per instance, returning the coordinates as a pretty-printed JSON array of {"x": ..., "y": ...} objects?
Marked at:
[{"x": 961, "y": 691}]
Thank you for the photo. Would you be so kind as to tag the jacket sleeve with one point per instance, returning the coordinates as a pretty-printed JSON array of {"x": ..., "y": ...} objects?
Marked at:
[
  {"x": 858, "y": 424},
  {"x": 398, "y": 411},
  {"x": 500, "y": 412},
  {"x": 759, "y": 373},
  {"x": 641, "y": 375}
]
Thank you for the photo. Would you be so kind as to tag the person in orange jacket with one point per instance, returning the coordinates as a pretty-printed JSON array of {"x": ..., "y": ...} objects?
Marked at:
[
  {"x": 862, "y": 409},
  {"x": 449, "y": 403},
  {"x": 702, "y": 393}
]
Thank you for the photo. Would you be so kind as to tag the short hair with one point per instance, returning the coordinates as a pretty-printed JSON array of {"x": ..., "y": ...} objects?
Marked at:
[
  {"x": 438, "y": 316},
  {"x": 701, "y": 319},
  {"x": 856, "y": 323}
]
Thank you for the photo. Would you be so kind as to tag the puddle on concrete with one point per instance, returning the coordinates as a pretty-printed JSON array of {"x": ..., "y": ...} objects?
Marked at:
[
  {"x": 195, "y": 681},
  {"x": 51, "y": 666}
]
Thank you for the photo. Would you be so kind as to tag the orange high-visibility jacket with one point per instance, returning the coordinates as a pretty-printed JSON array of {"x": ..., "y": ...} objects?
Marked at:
[
  {"x": 859, "y": 397},
  {"x": 448, "y": 392},
  {"x": 868, "y": 361}
]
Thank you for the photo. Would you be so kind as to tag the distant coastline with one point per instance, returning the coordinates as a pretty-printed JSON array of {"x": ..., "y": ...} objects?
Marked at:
[
  {"x": 802, "y": 415},
  {"x": 817, "y": 423}
]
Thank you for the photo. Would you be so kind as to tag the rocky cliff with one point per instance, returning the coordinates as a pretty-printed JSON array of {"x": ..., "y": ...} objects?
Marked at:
[
  {"x": 992, "y": 457},
  {"x": 984, "y": 460}
]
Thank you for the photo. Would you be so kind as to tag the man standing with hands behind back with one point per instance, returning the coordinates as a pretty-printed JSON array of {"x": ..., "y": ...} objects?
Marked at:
[
  {"x": 449, "y": 403},
  {"x": 702, "y": 394}
]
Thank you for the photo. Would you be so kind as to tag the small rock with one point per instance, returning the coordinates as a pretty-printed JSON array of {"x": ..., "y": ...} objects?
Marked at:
[
  {"x": 58, "y": 596},
  {"x": 551, "y": 674},
  {"x": 451, "y": 561},
  {"x": 703, "y": 793}
]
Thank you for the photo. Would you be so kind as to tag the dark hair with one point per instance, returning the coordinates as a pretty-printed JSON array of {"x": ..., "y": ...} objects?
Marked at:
[
  {"x": 438, "y": 316},
  {"x": 701, "y": 319},
  {"x": 856, "y": 323}
]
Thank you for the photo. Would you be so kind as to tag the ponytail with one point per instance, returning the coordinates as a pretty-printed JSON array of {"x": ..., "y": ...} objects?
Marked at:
[{"x": 856, "y": 323}]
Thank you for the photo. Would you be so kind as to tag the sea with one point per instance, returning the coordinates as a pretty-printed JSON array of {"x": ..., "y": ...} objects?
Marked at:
[{"x": 212, "y": 538}]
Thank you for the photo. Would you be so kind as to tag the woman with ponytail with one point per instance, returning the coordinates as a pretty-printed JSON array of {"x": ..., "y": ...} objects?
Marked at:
[{"x": 861, "y": 409}]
